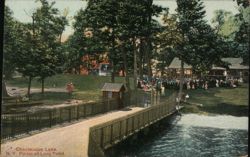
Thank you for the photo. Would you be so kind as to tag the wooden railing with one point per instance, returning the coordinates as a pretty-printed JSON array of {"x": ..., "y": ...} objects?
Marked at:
[
  {"x": 15, "y": 125},
  {"x": 107, "y": 134}
]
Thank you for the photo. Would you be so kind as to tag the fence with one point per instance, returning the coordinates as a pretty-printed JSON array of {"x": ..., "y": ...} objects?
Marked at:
[
  {"x": 15, "y": 125},
  {"x": 105, "y": 135},
  {"x": 142, "y": 98}
]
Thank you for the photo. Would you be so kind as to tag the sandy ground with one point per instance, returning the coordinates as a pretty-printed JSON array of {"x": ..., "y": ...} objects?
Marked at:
[
  {"x": 22, "y": 91},
  {"x": 68, "y": 141}
]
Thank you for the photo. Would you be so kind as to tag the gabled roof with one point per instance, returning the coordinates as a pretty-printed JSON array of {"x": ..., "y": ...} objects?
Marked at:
[
  {"x": 176, "y": 64},
  {"x": 236, "y": 63},
  {"x": 112, "y": 87}
]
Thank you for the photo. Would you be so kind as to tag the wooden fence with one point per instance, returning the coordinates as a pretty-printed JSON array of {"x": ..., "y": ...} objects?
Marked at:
[
  {"x": 14, "y": 125},
  {"x": 105, "y": 135}
]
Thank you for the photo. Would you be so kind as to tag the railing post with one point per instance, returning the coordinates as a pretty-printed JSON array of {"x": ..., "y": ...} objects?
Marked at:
[
  {"x": 108, "y": 106},
  {"x": 133, "y": 123},
  {"x": 27, "y": 122},
  {"x": 92, "y": 109},
  {"x": 84, "y": 107},
  {"x": 148, "y": 117},
  {"x": 126, "y": 126},
  {"x": 103, "y": 106},
  {"x": 12, "y": 126},
  {"x": 50, "y": 118},
  {"x": 77, "y": 112},
  {"x": 143, "y": 118},
  {"x": 102, "y": 132},
  {"x": 138, "y": 120},
  {"x": 70, "y": 114},
  {"x": 60, "y": 115},
  {"x": 120, "y": 133},
  {"x": 40, "y": 123},
  {"x": 111, "y": 134}
]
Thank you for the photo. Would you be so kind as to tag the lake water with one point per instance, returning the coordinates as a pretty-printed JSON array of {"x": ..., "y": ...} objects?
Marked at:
[{"x": 192, "y": 135}]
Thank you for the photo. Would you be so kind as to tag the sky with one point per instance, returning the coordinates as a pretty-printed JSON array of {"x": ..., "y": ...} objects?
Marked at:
[{"x": 22, "y": 9}]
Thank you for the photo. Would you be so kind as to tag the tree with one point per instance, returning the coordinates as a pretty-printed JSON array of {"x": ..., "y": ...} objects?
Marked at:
[
  {"x": 199, "y": 46},
  {"x": 11, "y": 42},
  {"x": 47, "y": 28},
  {"x": 101, "y": 16},
  {"x": 168, "y": 39},
  {"x": 225, "y": 24},
  {"x": 122, "y": 23},
  {"x": 242, "y": 36},
  {"x": 19, "y": 54}
]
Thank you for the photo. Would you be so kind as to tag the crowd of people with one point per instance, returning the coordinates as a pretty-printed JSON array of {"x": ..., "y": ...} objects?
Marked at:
[
  {"x": 160, "y": 84},
  {"x": 199, "y": 83}
]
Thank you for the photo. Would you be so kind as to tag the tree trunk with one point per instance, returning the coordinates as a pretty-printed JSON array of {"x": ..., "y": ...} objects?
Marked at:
[
  {"x": 140, "y": 60},
  {"x": 29, "y": 86},
  {"x": 148, "y": 57},
  {"x": 112, "y": 58},
  {"x": 148, "y": 39},
  {"x": 125, "y": 69},
  {"x": 181, "y": 81},
  {"x": 112, "y": 72},
  {"x": 43, "y": 85},
  {"x": 135, "y": 70}
]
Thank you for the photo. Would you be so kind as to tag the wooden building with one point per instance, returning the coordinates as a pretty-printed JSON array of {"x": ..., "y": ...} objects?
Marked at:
[
  {"x": 236, "y": 69},
  {"x": 174, "y": 69},
  {"x": 114, "y": 91}
]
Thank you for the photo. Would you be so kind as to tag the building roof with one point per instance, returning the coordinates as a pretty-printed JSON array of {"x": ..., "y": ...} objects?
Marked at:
[
  {"x": 235, "y": 63},
  {"x": 176, "y": 64},
  {"x": 112, "y": 87}
]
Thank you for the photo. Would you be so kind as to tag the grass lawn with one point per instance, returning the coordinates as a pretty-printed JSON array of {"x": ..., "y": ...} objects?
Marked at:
[
  {"x": 232, "y": 101},
  {"x": 87, "y": 88}
]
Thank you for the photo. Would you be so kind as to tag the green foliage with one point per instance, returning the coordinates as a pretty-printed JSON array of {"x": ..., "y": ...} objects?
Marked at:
[
  {"x": 243, "y": 34},
  {"x": 47, "y": 28},
  {"x": 115, "y": 25},
  {"x": 225, "y": 24},
  {"x": 34, "y": 49},
  {"x": 12, "y": 42},
  {"x": 168, "y": 39},
  {"x": 199, "y": 46}
]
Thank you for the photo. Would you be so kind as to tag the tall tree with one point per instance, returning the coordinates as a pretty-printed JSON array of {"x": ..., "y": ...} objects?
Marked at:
[
  {"x": 225, "y": 24},
  {"x": 11, "y": 42},
  {"x": 19, "y": 52},
  {"x": 199, "y": 45},
  {"x": 168, "y": 39},
  {"x": 102, "y": 15},
  {"x": 47, "y": 27},
  {"x": 242, "y": 36}
]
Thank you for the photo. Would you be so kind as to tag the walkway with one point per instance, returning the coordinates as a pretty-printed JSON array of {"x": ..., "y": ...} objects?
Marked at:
[{"x": 68, "y": 141}]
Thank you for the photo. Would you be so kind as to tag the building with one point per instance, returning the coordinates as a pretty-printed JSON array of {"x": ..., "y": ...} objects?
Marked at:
[
  {"x": 174, "y": 69},
  {"x": 114, "y": 91},
  {"x": 236, "y": 69}
]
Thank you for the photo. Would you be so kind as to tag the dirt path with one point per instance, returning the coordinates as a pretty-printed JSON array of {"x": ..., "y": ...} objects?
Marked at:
[
  {"x": 22, "y": 91},
  {"x": 68, "y": 141}
]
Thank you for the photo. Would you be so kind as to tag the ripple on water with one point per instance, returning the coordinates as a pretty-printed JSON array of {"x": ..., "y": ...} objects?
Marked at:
[{"x": 198, "y": 136}]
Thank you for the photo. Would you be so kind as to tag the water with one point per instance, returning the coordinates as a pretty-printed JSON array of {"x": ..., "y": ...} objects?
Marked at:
[{"x": 195, "y": 136}]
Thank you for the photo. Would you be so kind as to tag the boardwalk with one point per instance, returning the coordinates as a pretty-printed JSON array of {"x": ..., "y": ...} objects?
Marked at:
[{"x": 68, "y": 141}]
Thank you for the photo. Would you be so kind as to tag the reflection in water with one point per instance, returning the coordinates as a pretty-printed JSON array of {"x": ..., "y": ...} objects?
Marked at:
[{"x": 196, "y": 135}]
